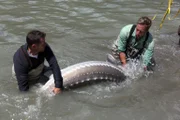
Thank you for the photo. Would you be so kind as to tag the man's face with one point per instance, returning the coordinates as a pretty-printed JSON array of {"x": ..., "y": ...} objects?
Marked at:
[
  {"x": 141, "y": 30},
  {"x": 41, "y": 46}
]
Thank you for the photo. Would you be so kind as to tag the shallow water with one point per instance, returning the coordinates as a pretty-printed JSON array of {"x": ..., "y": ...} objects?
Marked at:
[{"x": 80, "y": 31}]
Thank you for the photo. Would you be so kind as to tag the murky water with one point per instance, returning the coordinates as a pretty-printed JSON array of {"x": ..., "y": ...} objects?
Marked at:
[{"x": 79, "y": 31}]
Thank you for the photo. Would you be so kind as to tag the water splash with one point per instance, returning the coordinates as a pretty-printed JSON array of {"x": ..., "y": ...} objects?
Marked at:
[{"x": 134, "y": 70}]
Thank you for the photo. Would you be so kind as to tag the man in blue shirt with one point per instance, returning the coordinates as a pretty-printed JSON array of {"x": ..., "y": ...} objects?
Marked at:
[{"x": 29, "y": 62}]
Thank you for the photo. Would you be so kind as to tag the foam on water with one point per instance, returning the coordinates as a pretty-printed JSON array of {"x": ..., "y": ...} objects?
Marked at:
[{"x": 134, "y": 70}]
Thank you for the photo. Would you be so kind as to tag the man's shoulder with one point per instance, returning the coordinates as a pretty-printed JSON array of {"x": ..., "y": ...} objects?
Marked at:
[
  {"x": 19, "y": 58},
  {"x": 125, "y": 31},
  {"x": 47, "y": 46},
  {"x": 18, "y": 55},
  {"x": 48, "y": 51},
  {"x": 127, "y": 27},
  {"x": 150, "y": 37}
]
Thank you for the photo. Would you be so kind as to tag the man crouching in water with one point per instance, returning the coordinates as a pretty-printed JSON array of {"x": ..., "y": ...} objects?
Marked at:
[
  {"x": 29, "y": 62},
  {"x": 135, "y": 41}
]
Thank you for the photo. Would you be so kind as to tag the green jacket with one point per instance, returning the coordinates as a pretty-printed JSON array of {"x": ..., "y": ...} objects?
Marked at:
[{"x": 149, "y": 46}]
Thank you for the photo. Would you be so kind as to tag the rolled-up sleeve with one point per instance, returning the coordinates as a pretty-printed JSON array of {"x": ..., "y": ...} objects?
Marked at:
[{"x": 148, "y": 54}]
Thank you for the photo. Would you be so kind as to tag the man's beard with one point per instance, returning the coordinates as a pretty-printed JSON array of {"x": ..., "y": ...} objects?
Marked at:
[{"x": 138, "y": 38}]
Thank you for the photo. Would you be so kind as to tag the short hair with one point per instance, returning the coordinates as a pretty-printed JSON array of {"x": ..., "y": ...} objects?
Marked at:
[
  {"x": 34, "y": 36},
  {"x": 145, "y": 21}
]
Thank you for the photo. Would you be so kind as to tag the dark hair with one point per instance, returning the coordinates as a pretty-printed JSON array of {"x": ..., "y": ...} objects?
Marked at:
[
  {"x": 34, "y": 36},
  {"x": 145, "y": 21},
  {"x": 179, "y": 31}
]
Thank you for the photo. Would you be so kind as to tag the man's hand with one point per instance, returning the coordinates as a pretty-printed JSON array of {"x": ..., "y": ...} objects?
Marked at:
[
  {"x": 122, "y": 57},
  {"x": 145, "y": 68},
  {"x": 57, "y": 90}
]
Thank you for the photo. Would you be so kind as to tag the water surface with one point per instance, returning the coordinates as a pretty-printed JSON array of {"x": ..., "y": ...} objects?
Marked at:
[{"x": 79, "y": 31}]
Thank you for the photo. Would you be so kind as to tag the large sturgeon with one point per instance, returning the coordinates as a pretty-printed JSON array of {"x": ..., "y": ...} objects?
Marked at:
[{"x": 87, "y": 71}]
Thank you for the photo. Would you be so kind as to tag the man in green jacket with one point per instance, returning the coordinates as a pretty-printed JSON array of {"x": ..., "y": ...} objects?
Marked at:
[{"x": 134, "y": 42}]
